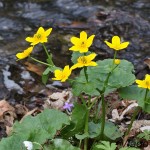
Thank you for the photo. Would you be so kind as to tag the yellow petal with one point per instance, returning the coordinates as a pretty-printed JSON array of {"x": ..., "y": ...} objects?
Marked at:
[
  {"x": 90, "y": 57},
  {"x": 116, "y": 40},
  {"x": 74, "y": 48},
  {"x": 58, "y": 73},
  {"x": 47, "y": 32},
  {"x": 90, "y": 40},
  {"x": 124, "y": 45},
  {"x": 109, "y": 44},
  {"x": 40, "y": 30},
  {"x": 25, "y": 53},
  {"x": 75, "y": 40},
  {"x": 141, "y": 83},
  {"x": 77, "y": 65},
  {"x": 20, "y": 56},
  {"x": 83, "y": 49},
  {"x": 29, "y": 39},
  {"x": 92, "y": 63},
  {"x": 83, "y": 36},
  {"x": 66, "y": 70}
]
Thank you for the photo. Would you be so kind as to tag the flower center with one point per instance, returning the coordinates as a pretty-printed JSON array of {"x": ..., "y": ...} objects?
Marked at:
[
  {"x": 83, "y": 59},
  {"x": 83, "y": 44},
  {"x": 38, "y": 36}
]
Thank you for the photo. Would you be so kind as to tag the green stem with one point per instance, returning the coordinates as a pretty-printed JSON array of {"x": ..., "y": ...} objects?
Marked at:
[
  {"x": 103, "y": 99},
  {"x": 146, "y": 95},
  {"x": 48, "y": 55},
  {"x": 132, "y": 120},
  {"x": 114, "y": 57},
  {"x": 86, "y": 129},
  {"x": 39, "y": 145},
  {"x": 85, "y": 73},
  {"x": 41, "y": 62},
  {"x": 83, "y": 101},
  {"x": 103, "y": 117}
]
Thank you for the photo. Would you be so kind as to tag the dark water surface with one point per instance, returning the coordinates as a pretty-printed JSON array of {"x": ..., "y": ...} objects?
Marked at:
[{"x": 129, "y": 19}]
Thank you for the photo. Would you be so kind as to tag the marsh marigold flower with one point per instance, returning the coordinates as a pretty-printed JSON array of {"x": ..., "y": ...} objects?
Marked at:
[
  {"x": 144, "y": 83},
  {"x": 62, "y": 75},
  {"x": 117, "y": 61},
  {"x": 83, "y": 61},
  {"x": 83, "y": 43},
  {"x": 40, "y": 36},
  {"x": 116, "y": 43},
  {"x": 25, "y": 53}
]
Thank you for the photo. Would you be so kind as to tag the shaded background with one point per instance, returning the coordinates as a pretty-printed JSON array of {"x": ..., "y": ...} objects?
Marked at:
[{"x": 129, "y": 19}]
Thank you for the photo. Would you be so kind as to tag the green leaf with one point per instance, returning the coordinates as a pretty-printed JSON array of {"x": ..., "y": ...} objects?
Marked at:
[
  {"x": 82, "y": 86},
  {"x": 144, "y": 135},
  {"x": 12, "y": 143},
  {"x": 94, "y": 129},
  {"x": 121, "y": 76},
  {"x": 77, "y": 121},
  {"x": 60, "y": 144},
  {"x": 105, "y": 145},
  {"x": 129, "y": 148},
  {"x": 36, "y": 129},
  {"x": 45, "y": 75},
  {"x": 81, "y": 137},
  {"x": 111, "y": 131},
  {"x": 135, "y": 93}
]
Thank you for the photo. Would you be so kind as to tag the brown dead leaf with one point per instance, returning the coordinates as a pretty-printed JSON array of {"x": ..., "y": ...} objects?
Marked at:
[
  {"x": 9, "y": 130},
  {"x": 35, "y": 110},
  {"x": 4, "y": 108},
  {"x": 147, "y": 62},
  {"x": 35, "y": 68},
  {"x": 116, "y": 115},
  {"x": 7, "y": 114},
  {"x": 21, "y": 109},
  {"x": 57, "y": 100}
]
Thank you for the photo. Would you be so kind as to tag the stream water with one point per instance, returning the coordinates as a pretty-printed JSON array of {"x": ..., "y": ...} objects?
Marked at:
[{"x": 129, "y": 19}]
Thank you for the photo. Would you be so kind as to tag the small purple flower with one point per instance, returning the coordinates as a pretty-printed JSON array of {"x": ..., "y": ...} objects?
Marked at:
[{"x": 68, "y": 106}]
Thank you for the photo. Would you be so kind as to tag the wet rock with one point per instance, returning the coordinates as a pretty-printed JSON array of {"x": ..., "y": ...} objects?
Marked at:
[{"x": 130, "y": 28}]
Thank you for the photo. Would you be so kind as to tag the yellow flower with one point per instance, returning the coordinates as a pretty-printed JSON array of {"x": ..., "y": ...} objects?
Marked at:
[
  {"x": 116, "y": 44},
  {"x": 83, "y": 43},
  {"x": 25, "y": 53},
  {"x": 62, "y": 75},
  {"x": 117, "y": 61},
  {"x": 40, "y": 36},
  {"x": 144, "y": 83},
  {"x": 85, "y": 61}
]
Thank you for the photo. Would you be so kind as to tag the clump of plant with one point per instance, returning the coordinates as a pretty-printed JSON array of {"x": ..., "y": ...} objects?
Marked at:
[{"x": 96, "y": 79}]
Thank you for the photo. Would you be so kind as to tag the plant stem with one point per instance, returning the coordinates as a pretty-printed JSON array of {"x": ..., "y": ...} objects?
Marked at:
[
  {"x": 114, "y": 57},
  {"x": 146, "y": 95},
  {"x": 48, "y": 55},
  {"x": 103, "y": 99},
  {"x": 85, "y": 72},
  {"x": 38, "y": 144},
  {"x": 132, "y": 120},
  {"x": 41, "y": 62},
  {"x": 86, "y": 129},
  {"x": 103, "y": 116}
]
